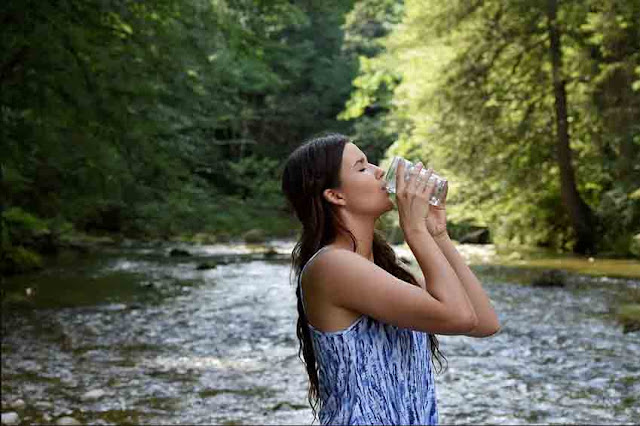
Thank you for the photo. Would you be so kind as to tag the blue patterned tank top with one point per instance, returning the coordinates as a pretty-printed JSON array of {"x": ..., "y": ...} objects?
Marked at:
[{"x": 373, "y": 373}]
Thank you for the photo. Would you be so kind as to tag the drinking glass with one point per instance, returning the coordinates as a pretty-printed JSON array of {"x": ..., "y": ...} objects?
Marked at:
[{"x": 440, "y": 187}]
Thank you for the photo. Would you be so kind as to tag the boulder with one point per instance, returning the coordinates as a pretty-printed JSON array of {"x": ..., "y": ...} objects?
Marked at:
[
  {"x": 10, "y": 418},
  {"x": 179, "y": 253},
  {"x": 254, "y": 236},
  {"x": 206, "y": 265},
  {"x": 270, "y": 253},
  {"x": 550, "y": 278}
]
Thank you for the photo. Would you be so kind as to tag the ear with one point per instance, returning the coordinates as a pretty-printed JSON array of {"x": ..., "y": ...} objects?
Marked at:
[{"x": 334, "y": 196}]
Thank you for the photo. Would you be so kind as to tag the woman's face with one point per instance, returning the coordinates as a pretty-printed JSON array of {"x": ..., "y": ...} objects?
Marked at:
[{"x": 362, "y": 184}]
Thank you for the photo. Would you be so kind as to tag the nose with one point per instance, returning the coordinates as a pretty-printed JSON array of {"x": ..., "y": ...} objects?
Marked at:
[{"x": 379, "y": 173}]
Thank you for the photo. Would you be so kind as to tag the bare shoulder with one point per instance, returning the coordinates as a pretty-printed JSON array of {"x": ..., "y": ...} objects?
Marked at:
[
  {"x": 329, "y": 264},
  {"x": 336, "y": 275},
  {"x": 341, "y": 281}
]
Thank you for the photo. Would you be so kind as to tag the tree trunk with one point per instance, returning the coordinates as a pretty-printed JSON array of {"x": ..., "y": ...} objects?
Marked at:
[{"x": 580, "y": 214}]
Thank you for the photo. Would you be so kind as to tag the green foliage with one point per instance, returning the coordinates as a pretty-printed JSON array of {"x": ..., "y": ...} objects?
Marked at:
[
  {"x": 366, "y": 28},
  {"x": 19, "y": 259},
  {"x": 20, "y": 226},
  {"x": 152, "y": 119},
  {"x": 258, "y": 178},
  {"x": 620, "y": 215},
  {"x": 475, "y": 100}
]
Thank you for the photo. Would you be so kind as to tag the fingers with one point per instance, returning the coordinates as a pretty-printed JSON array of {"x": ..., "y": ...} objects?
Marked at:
[
  {"x": 413, "y": 183},
  {"x": 443, "y": 197},
  {"x": 400, "y": 181},
  {"x": 427, "y": 183}
]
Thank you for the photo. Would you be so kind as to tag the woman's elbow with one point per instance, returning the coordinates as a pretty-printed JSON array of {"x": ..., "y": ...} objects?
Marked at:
[
  {"x": 485, "y": 330},
  {"x": 469, "y": 322}
]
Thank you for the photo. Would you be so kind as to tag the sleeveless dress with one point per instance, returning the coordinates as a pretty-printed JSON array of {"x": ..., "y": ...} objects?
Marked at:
[{"x": 373, "y": 373}]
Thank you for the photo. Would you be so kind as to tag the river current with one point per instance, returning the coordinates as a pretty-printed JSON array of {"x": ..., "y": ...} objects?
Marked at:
[{"x": 159, "y": 341}]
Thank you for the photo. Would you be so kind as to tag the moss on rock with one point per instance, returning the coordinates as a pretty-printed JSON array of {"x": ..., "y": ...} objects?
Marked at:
[{"x": 629, "y": 316}]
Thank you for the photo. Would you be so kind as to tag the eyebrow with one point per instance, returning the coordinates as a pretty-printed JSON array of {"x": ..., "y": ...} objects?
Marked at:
[{"x": 359, "y": 161}]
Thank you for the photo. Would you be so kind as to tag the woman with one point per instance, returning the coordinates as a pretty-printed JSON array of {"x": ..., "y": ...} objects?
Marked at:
[{"x": 366, "y": 325}]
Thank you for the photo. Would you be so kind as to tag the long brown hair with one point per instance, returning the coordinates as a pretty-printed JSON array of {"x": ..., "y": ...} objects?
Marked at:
[{"x": 310, "y": 169}]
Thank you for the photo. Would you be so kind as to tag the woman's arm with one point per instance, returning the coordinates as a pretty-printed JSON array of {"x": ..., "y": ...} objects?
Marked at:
[
  {"x": 488, "y": 323},
  {"x": 436, "y": 223},
  {"x": 442, "y": 281},
  {"x": 347, "y": 280}
]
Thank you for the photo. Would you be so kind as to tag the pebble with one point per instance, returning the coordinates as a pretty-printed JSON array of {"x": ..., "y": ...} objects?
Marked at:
[
  {"x": 10, "y": 418},
  {"x": 67, "y": 421},
  {"x": 43, "y": 405},
  {"x": 93, "y": 395},
  {"x": 18, "y": 404}
]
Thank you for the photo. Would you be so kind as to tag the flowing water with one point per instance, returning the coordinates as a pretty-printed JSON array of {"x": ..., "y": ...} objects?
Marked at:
[{"x": 159, "y": 341}]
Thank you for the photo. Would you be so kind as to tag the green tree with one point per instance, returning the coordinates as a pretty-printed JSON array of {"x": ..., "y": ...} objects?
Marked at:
[
  {"x": 499, "y": 98},
  {"x": 147, "y": 117},
  {"x": 367, "y": 26}
]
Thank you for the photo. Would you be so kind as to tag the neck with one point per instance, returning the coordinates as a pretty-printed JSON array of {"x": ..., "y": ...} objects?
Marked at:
[{"x": 362, "y": 229}]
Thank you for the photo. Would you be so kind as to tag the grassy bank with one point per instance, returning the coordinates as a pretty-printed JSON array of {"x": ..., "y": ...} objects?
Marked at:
[{"x": 27, "y": 240}]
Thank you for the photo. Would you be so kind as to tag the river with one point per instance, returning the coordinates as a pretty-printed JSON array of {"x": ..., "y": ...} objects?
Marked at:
[{"x": 131, "y": 335}]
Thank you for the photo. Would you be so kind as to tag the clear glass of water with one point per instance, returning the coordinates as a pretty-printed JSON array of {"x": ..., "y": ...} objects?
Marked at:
[{"x": 439, "y": 190}]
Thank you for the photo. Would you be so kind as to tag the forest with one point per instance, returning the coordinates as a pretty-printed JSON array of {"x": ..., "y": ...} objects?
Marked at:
[{"x": 172, "y": 119}]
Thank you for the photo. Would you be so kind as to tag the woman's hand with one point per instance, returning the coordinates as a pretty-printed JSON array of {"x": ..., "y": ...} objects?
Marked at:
[
  {"x": 412, "y": 198},
  {"x": 437, "y": 218}
]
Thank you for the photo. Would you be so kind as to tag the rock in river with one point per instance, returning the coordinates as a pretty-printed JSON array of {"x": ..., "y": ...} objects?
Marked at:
[
  {"x": 18, "y": 404},
  {"x": 10, "y": 418},
  {"x": 93, "y": 395},
  {"x": 176, "y": 252},
  {"x": 550, "y": 278},
  {"x": 67, "y": 421}
]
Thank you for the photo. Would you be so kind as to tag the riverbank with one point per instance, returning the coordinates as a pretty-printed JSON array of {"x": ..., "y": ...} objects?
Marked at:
[
  {"x": 541, "y": 259},
  {"x": 522, "y": 265}
]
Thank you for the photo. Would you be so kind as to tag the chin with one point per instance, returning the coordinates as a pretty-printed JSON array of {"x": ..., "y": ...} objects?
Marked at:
[{"x": 389, "y": 207}]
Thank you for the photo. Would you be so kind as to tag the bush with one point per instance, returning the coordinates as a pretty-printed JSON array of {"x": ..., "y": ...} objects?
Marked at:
[
  {"x": 18, "y": 260},
  {"x": 22, "y": 227},
  {"x": 619, "y": 221}
]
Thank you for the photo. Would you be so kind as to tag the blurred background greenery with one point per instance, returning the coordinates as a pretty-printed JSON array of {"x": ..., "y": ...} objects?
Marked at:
[{"x": 172, "y": 119}]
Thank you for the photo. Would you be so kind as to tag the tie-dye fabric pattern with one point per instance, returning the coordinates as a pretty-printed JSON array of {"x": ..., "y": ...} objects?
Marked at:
[{"x": 374, "y": 373}]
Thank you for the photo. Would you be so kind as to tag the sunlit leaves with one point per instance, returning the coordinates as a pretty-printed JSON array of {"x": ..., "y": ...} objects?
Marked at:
[{"x": 475, "y": 85}]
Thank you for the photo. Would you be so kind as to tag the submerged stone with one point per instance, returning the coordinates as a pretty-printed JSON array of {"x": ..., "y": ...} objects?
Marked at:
[
  {"x": 270, "y": 253},
  {"x": 206, "y": 265},
  {"x": 93, "y": 395},
  {"x": 179, "y": 253},
  {"x": 10, "y": 418},
  {"x": 67, "y": 421},
  {"x": 550, "y": 278}
]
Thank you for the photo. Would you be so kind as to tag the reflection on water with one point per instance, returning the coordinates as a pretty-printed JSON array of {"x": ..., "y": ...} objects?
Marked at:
[{"x": 175, "y": 344}]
